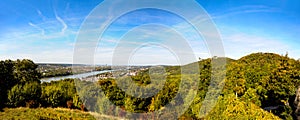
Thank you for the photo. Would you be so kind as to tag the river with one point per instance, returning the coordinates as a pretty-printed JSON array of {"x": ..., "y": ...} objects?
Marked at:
[{"x": 82, "y": 75}]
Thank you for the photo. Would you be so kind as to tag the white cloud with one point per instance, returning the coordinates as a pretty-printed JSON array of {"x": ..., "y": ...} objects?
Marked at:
[
  {"x": 65, "y": 26},
  {"x": 37, "y": 27},
  {"x": 27, "y": 43},
  {"x": 41, "y": 15},
  {"x": 243, "y": 10},
  {"x": 240, "y": 44},
  {"x": 53, "y": 56}
]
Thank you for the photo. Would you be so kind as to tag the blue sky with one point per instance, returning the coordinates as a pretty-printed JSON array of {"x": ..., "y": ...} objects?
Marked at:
[{"x": 46, "y": 30}]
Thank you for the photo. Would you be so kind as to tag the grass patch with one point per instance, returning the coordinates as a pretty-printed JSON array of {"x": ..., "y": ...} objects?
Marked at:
[{"x": 44, "y": 114}]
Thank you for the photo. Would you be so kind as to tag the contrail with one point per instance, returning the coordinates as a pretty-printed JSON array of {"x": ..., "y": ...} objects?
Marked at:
[
  {"x": 41, "y": 14},
  {"x": 37, "y": 27},
  {"x": 65, "y": 26},
  {"x": 63, "y": 23}
]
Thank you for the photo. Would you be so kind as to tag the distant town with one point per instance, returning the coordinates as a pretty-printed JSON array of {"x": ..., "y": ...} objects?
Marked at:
[{"x": 49, "y": 71}]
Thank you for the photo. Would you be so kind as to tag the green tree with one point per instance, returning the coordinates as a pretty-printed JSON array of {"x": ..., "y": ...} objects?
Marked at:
[
  {"x": 25, "y": 95},
  {"x": 230, "y": 107},
  {"x": 26, "y": 71},
  {"x": 58, "y": 93},
  {"x": 7, "y": 80},
  {"x": 17, "y": 73},
  {"x": 267, "y": 79}
]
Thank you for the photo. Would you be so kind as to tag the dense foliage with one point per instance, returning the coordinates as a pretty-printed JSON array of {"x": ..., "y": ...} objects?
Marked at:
[
  {"x": 257, "y": 86},
  {"x": 19, "y": 83},
  {"x": 60, "y": 94},
  {"x": 266, "y": 79},
  {"x": 253, "y": 83},
  {"x": 230, "y": 107},
  {"x": 21, "y": 86}
]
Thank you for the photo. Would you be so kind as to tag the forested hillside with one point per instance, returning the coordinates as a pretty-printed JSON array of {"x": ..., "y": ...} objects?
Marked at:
[
  {"x": 257, "y": 86},
  {"x": 265, "y": 79}
]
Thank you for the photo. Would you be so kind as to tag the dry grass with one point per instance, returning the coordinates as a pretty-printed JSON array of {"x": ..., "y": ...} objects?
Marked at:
[{"x": 44, "y": 114}]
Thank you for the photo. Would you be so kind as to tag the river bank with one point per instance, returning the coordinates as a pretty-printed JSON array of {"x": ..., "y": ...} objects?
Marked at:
[{"x": 79, "y": 76}]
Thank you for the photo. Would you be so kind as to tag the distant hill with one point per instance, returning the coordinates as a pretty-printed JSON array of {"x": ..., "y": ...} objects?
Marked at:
[
  {"x": 267, "y": 79},
  {"x": 60, "y": 64}
]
